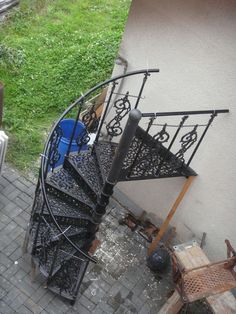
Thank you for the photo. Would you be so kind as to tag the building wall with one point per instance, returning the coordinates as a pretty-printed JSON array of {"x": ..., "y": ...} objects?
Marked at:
[{"x": 193, "y": 43}]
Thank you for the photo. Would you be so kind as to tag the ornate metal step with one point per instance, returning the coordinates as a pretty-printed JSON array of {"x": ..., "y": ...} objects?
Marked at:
[
  {"x": 105, "y": 152},
  {"x": 147, "y": 159},
  {"x": 64, "y": 213},
  {"x": 51, "y": 255},
  {"x": 47, "y": 228},
  {"x": 67, "y": 280},
  {"x": 86, "y": 172},
  {"x": 61, "y": 184}
]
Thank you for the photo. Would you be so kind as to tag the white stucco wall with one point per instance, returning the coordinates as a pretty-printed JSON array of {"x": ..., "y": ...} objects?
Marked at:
[{"x": 193, "y": 42}]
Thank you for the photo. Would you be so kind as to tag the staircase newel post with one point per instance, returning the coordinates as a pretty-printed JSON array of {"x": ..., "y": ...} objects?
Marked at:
[{"x": 113, "y": 176}]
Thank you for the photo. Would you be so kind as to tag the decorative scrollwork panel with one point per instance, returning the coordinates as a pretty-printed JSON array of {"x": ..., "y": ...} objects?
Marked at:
[{"x": 122, "y": 107}]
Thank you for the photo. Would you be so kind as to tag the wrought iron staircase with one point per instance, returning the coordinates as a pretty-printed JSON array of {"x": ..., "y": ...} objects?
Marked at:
[{"x": 71, "y": 198}]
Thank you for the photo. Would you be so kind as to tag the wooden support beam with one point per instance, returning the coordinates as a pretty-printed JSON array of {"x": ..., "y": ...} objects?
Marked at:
[{"x": 165, "y": 224}]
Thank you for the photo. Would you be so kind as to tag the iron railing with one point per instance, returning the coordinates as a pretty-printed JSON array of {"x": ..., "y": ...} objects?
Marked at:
[
  {"x": 51, "y": 154},
  {"x": 166, "y": 144}
]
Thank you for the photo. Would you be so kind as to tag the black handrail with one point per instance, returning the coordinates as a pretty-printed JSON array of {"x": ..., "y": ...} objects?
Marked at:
[{"x": 182, "y": 113}]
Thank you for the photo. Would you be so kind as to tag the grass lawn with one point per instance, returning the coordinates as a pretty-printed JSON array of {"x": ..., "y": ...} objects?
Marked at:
[{"x": 51, "y": 52}]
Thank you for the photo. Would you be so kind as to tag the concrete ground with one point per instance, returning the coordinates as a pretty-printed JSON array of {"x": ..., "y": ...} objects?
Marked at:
[{"x": 119, "y": 283}]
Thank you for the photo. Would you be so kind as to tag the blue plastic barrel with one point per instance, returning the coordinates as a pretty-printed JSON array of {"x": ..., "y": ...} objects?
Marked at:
[{"x": 67, "y": 126}]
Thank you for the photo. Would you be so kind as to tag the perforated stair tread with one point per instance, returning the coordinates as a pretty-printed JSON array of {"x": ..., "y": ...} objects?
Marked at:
[
  {"x": 146, "y": 159},
  {"x": 105, "y": 152},
  {"x": 67, "y": 280},
  {"x": 70, "y": 231},
  {"x": 87, "y": 168},
  {"x": 208, "y": 280},
  {"x": 45, "y": 253},
  {"x": 64, "y": 182}
]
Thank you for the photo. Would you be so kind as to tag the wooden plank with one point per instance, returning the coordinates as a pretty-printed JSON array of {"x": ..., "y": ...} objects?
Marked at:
[
  {"x": 165, "y": 224},
  {"x": 222, "y": 303},
  {"x": 173, "y": 304},
  {"x": 190, "y": 256}
]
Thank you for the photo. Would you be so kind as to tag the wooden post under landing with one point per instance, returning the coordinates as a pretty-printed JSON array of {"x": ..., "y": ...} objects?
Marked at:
[{"x": 165, "y": 224}]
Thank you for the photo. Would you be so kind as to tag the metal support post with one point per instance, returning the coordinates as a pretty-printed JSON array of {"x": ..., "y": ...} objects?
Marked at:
[{"x": 121, "y": 152}]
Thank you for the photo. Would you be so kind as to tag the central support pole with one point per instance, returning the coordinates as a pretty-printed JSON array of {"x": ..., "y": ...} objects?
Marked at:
[{"x": 121, "y": 152}]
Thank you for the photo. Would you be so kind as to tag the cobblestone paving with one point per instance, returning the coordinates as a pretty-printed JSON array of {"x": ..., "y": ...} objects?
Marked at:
[{"x": 119, "y": 283}]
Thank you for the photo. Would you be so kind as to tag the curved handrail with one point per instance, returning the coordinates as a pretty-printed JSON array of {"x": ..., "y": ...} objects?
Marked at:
[{"x": 43, "y": 165}]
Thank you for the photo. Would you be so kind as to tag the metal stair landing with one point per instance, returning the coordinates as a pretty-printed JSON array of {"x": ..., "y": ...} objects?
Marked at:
[{"x": 146, "y": 159}]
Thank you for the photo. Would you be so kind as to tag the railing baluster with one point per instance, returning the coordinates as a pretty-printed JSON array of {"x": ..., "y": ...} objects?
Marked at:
[
  {"x": 54, "y": 259},
  {"x": 141, "y": 89},
  {"x": 182, "y": 121},
  {"x": 214, "y": 114},
  {"x": 74, "y": 128},
  {"x": 105, "y": 111}
]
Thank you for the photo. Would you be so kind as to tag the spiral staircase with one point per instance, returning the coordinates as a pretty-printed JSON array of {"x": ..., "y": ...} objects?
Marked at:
[{"x": 71, "y": 198}]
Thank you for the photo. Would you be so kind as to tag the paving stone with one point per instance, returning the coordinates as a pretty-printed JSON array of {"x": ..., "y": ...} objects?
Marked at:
[
  {"x": 11, "y": 210},
  {"x": 11, "y": 248},
  {"x": 9, "y": 189},
  {"x": 2, "y": 268},
  {"x": 24, "y": 264},
  {"x": 118, "y": 288},
  {"x": 20, "y": 221},
  {"x": 2, "y": 225},
  {"x": 18, "y": 301},
  {"x": 19, "y": 202},
  {"x": 137, "y": 302},
  {"x": 11, "y": 271},
  {"x": 126, "y": 283},
  {"x": 14, "y": 194},
  {"x": 86, "y": 303},
  {"x": 106, "y": 308},
  {"x": 26, "y": 198},
  {"x": 5, "y": 260},
  {"x": 4, "y": 180},
  {"x": 121, "y": 310},
  {"x": 19, "y": 185},
  {"x": 4, "y": 218},
  {"x": 10, "y": 175},
  {"x": 139, "y": 287},
  {"x": 45, "y": 299},
  {"x": 25, "y": 215},
  {"x": 16, "y": 232},
  {"x": 26, "y": 182},
  {"x": 4, "y": 241},
  {"x": 24, "y": 310},
  {"x": 32, "y": 306},
  {"x": 40, "y": 292},
  {"x": 5, "y": 309},
  {"x": 59, "y": 305},
  {"x": 12, "y": 294},
  {"x": 94, "y": 293},
  {"x": 9, "y": 227},
  {"x": 80, "y": 309},
  {"x": 5, "y": 284},
  {"x": 20, "y": 274},
  {"x": 145, "y": 309},
  {"x": 3, "y": 292}
]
